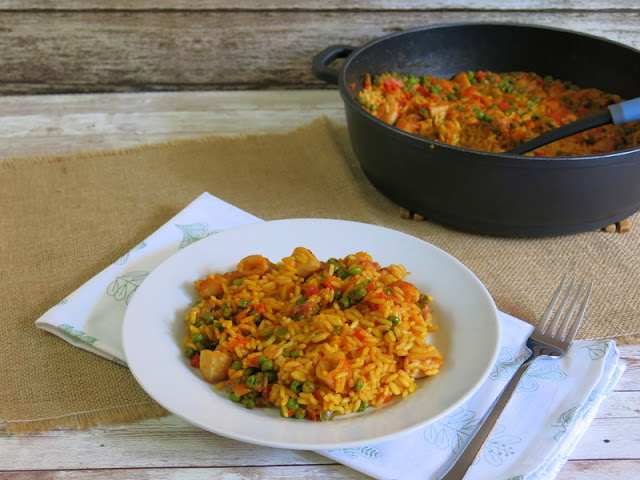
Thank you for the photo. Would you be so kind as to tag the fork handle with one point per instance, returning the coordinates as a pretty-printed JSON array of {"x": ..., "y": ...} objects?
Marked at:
[{"x": 459, "y": 466}]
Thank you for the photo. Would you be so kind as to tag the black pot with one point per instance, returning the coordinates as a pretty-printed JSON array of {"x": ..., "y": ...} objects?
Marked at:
[{"x": 483, "y": 192}]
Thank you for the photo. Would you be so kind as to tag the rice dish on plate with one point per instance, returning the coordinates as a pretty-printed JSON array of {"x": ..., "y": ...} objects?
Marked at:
[{"x": 312, "y": 338}]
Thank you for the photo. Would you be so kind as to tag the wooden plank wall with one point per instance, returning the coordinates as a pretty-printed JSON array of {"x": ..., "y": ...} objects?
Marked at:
[{"x": 61, "y": 46}]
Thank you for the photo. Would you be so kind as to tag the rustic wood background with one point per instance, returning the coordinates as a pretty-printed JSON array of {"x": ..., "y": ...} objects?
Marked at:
[{"x": 63, "y": 46}]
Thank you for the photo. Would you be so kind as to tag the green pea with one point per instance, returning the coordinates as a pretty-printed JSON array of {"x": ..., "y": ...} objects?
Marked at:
[
  {"x": 252, "y": 381},
  {"x": 300, "y": 413},
  {"x": 272, "y": 376},
  {"x": 248, "y": 403},
  {"x": 236, "y": 365},
  {"x": 363, "y": 406},
  {"x": 267, "y": 365},
  {"x": 326, "y": 415},
  {"x": 292, "y": 403},
  {"x": 393, "y": 319},
  {"x": 355, "y": 269},
  {"x": 359, "y": 384},
  {"x": 208, "y": 318},
  {"x": 197, "y": 337},
  {"x": 189, "y": 352},
  {"x": 237, "y": 282},
  {"x": 358, "y": 293},
  {"x": 234, "y": 398},
  {"x": 243, "y": 303},
  {"x": 218, "y": 326},
  {"x": 301, "y": 300},
  {"x": 345, "y": 302},
  {"x": 296, "y": 386},
  {"x": 308, "y": 387}
]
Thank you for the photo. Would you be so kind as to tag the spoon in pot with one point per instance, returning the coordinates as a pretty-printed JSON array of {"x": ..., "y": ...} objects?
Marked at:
[{"x": 616, "y": 114}]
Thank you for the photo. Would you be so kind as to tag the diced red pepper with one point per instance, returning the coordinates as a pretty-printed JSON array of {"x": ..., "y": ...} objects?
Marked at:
[
  {"x": 266, "y": 391},
  {"x": 468, "y": 91},
  {"x": 360, "y": 334},
  {"x": 260, "y": 308},
  {"x": 390, "y": 85},
  {"x": 331, "y": 282},
  {"x": 234, "y": 343},
  {"x": 195, "y": 360},
  {"x": 310, "y": 290}
]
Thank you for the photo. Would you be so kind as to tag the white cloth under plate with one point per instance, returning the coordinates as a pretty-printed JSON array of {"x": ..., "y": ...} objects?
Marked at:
[{"x": 548, "y": 414}]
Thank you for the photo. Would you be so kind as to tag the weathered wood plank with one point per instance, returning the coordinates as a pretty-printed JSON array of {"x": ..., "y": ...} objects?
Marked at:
[
  {"x": 171, "y": 442},
  {"x": 380, "y": 5},
  {"x": 621, "y": 405},
  {"x": 610, "y": 438},
  {"x": 573, "y": 470},
  {"x": 630, "y": 380},
  {"x": 325, "y": 472},
  {"x": 618, "y": 469},
  {"x": 61, "y": 124},
  {"x": 52, "y": 51},
  {"x": 165, "y": 442}
]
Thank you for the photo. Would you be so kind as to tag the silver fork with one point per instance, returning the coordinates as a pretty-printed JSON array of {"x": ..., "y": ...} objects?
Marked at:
[{"x": 551, "y": 337}]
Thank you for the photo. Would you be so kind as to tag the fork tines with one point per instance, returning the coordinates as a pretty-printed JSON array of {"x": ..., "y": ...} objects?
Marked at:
[{"x": 559, "y": 323}]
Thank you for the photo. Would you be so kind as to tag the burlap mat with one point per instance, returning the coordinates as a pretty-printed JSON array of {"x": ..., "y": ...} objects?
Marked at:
[{"x": 64, "y": 219}]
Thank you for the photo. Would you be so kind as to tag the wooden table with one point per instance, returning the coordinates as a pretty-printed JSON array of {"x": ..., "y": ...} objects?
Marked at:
[{"x": 169, "y": 448}]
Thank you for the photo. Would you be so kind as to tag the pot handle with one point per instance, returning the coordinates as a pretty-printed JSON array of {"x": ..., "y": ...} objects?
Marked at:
[{"x": 320, "y": 65}]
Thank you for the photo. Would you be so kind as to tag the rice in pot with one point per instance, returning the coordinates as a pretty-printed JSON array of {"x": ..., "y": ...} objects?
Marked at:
[{"x": 495, "y": 112}]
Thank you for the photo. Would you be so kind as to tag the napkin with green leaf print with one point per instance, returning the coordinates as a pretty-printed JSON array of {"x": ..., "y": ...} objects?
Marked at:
[{"x": 91, "y": 317}]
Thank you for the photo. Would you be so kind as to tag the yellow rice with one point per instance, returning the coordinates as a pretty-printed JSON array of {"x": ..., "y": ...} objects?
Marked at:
[{"x": 314, "y": 339}]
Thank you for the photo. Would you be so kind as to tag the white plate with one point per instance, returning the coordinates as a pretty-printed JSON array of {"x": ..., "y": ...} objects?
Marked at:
[{"x": 464, "y": 310}]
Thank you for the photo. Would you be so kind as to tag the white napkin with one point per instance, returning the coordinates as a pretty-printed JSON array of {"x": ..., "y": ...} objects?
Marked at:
[
  {"x": 550, "y": 411},
  {"x": 91, "y": 317}
]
